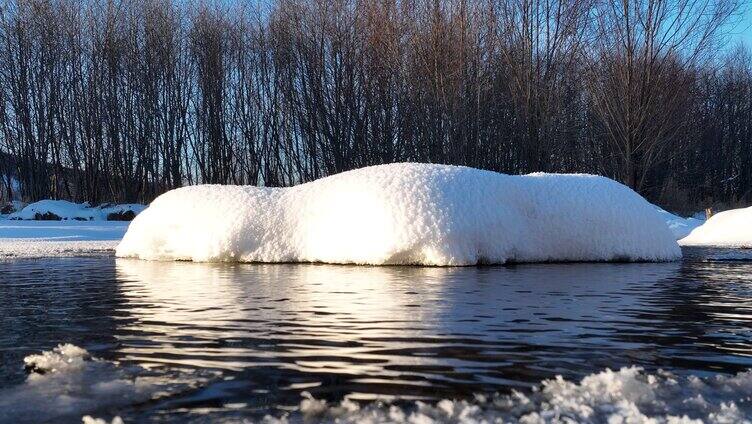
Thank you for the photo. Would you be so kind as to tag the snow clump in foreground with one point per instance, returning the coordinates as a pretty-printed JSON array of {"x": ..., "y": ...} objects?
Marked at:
[
  {"x": 625, "y": 396},
  {"x": 67, "y": 382},
  {"x": 732, "y": 228},
  {"x": 405, "y": 213}
]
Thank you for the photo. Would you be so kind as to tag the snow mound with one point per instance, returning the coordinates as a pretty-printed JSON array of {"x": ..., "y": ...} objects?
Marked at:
[
  {"x": 405, "y": 213},
  {"x": 54, "y": 210},
  {"x": 680, "y": 227},
  {"x": 732, "y": 228},
  {"x": 625, "y": 396}
]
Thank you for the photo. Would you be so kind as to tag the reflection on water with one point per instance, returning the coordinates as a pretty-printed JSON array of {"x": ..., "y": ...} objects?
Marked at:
[{"x": 272, "y": 331}]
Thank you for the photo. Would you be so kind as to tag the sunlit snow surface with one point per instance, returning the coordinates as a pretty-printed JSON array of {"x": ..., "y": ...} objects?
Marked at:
[
  {"x": 405, "y": 214},
  {"x": 732, "y": 228},
  {"x": 68, "y": 381}
]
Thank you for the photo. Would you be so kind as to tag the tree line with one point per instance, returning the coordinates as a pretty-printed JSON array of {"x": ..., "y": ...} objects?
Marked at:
[{"x": 121, "y": 100}]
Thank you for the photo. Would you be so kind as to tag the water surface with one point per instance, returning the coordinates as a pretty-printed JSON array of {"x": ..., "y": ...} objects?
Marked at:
[{"x": 234, "y": 340}]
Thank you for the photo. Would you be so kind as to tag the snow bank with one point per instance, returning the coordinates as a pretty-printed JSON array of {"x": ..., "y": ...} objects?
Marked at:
[
  {"x": 54, "y": 210},
  {"x": 625, "y": 396},
  {"x": 33, "y": 239},
  {"x": 680, "y": 227},
  {"x": 732, "y": 228},
  {"x": 405, "y": 214}
]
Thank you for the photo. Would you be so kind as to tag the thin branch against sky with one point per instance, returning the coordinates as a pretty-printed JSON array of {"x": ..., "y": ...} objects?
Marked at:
[{"x": 744, "y": 30}]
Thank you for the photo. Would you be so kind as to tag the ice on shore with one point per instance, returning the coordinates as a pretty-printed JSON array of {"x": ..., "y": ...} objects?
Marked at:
[
  {"x": 64, "y": 210},
  {"x": 45, "y": 248},
  {"x": 732, "y": 228},
  {"x": 32, "y": 239},
  {"x": 35, "y": 231},
  {"x": 405, "y": 213}
]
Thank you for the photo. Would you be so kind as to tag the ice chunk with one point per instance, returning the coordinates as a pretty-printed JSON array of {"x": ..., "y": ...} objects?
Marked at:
[
  {"x": 66, "y": 382},
  {"x": 64, "y": 358},
  {"x": 732, "y": 228},
  {"x": 88, "y": 419},
  {"x": 405, "y": 213}
]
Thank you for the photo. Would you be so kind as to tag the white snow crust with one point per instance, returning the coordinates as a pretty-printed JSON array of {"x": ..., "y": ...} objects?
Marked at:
[
  {"x": 680, "y": 227},
  {"x": 26, "y": 248},
  {"x": 73, "y": 211},
  {"x": 629, "y": 395},
  {"x": 405, "y": 213},
  {"x": 732, "y": 228}
]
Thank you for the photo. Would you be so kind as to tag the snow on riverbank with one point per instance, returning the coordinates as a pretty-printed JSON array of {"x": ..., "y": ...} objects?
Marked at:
[
  {"x": 57, "y": 210},
  {"x": 61, "y": 228},
  {"x": 31, "y": 239},
  {"x": 732, "y": 228},
  {"x": 405, "y": 214}
]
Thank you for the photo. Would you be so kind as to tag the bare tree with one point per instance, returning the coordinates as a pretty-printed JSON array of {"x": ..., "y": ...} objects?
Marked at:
[
  {"x": 642, "y": 61},
  {"x": 120, "y": 101}
]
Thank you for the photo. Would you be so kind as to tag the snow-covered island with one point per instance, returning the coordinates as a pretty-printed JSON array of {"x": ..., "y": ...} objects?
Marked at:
[{"x": 406, "y": 213}]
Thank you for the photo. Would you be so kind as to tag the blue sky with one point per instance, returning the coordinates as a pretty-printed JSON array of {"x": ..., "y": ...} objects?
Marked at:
[{"x": 745, "y": 28}]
